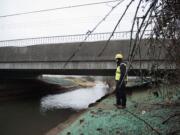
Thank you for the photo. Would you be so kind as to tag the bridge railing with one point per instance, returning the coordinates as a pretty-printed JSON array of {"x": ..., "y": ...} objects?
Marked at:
[{"x": 70, "y": 38}]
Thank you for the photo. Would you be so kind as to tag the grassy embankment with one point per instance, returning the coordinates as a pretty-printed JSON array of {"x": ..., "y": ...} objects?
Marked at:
[{"x": 151, "y": 112}]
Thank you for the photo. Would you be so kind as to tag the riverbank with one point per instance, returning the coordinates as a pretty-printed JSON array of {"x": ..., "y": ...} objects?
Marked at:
[
  {"x": 152, "y": 111},
  {"x": 12, "y": 89}
]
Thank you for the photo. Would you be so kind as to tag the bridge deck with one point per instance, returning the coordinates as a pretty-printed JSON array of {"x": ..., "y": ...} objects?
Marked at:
[{"x": 52, "y": 58}]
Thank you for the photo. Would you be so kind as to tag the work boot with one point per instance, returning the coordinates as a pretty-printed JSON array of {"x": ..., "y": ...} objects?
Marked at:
[
  {"x": 119, "y": 106},
  {"x": 123, "y": 107}
]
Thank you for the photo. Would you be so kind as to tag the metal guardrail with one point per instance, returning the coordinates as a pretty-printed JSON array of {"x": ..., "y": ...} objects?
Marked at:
[{"x": 70, "y": 38}]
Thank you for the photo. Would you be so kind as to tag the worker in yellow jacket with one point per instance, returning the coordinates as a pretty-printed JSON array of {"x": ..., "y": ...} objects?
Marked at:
[{"x": 121, "y": 80}]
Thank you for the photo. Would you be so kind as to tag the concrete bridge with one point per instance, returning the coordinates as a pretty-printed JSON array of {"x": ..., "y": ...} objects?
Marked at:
[{"x": 51, "y": 58}]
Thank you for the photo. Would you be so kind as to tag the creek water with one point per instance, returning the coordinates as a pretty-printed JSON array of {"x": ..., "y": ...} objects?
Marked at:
[
  {"x": 36, "y": 116},
  {"x": 77, "y": 99}
]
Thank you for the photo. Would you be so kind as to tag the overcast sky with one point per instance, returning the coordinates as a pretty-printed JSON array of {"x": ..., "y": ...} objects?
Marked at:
[{"x": 59, "y": 22}]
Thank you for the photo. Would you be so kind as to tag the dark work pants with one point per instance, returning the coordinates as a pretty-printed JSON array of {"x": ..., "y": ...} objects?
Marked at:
[{"x": 121, "y": 95}]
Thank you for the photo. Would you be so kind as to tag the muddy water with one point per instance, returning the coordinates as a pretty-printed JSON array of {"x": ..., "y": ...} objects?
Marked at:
[{"x": 36, "y": 116}]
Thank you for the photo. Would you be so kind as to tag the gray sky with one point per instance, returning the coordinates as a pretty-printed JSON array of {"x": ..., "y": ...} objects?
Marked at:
[{"x": 59, "y": 22}]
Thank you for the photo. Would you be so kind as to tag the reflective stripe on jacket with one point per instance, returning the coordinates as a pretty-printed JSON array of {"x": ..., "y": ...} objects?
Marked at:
[{"x": 119, "y": 72}]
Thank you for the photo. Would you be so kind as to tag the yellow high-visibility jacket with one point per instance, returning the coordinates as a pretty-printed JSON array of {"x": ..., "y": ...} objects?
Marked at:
[{"x": 120, "y": 72}]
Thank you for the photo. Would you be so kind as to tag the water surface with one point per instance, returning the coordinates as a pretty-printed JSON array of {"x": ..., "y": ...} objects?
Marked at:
[
  {"x": 77, "y": 99},
  {"x": 38, "y": 115}
]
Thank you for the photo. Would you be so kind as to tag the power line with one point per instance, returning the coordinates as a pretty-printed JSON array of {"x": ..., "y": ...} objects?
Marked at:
[
  {"x": 90, "y": 32},
  {"x": 105, "y": 46},
  {"x": 52, "y": 9}
]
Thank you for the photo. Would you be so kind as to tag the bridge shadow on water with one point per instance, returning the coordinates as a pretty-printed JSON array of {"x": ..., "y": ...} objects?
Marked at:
[
  {"x": 26, "y": 88},
  {"x": 21, "y": 111},
  {"x": 20, "y": 107}
]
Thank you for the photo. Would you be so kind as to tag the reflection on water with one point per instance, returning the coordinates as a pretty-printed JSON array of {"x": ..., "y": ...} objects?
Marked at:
[
  {"x": 23, "y": 117},
  {"x": 77, "y": 99},
  {"x": 29, "y": 114}
]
